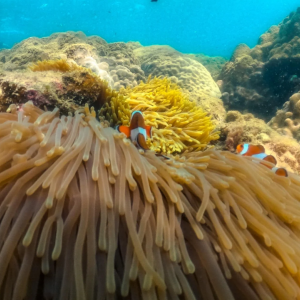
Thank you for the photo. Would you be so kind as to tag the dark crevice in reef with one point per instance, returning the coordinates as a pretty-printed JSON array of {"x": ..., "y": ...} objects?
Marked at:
[
  {"x": 282, "y": 76},
  {"x": 267, "y": 89}
]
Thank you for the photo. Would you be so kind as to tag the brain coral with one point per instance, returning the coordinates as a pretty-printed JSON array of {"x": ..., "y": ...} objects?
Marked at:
[
  {"x": 178, "y": 123},
  {"x": 85, "y": 215},
  {"x": 187, "y": 72}
]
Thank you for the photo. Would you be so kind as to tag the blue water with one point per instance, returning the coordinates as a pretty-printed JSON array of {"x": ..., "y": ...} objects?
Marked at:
[{"x": 190, "y": 26}]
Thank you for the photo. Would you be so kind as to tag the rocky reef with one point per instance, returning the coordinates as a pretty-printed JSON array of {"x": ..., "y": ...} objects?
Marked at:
[
  {"x": 261, "y": 80},
  {"x": 287, "y": 119},
  {"x": 122, "y": 65},
  {"x": 116, "y": 61},
  {"x": 214, "y": 64}
]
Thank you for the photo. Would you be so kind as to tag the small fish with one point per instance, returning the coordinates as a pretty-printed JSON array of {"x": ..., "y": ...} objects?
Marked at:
[
  {"x": 249, "y": 150},
  {"x": 280, "y": 171},
  {"x": 137, "y": 131},
  {"x": 258, "y": 151}
]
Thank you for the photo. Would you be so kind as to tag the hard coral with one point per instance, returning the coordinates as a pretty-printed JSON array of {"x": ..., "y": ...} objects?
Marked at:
[
  {"x": 80, "y": 83},
  {"x": 287, "y": 119},
  {"x": 261, "y": 79},
  {"x": 178, "y": 123}
]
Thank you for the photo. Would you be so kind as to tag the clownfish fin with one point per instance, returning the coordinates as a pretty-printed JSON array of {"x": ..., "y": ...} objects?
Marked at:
[
  {"x": 124, "y": 129},
  {"x": 261, "y": 148},
  {"x": 149, "y": 131},
  {"x": 280, "y": 171},
  {"x": 271, "y": 159},
  {"x": 141, "y": 142}
]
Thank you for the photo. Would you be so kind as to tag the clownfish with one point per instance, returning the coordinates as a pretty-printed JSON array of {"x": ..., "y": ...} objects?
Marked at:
[
  {"x": 258, "y": 151},
  {"x": 137, "y": 131},
  {"x": 249, "y": 150}
]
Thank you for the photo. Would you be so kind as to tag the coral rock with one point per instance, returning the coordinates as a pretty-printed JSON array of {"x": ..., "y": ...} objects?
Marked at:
[
  {"x": 191, "y": 75},
  {"x": 261, "y": 79}
]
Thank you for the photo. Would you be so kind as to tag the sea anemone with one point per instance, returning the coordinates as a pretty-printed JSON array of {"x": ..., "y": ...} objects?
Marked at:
[
  {"x": 85, "y": 215},
  {"x": 178, "y": 123}
]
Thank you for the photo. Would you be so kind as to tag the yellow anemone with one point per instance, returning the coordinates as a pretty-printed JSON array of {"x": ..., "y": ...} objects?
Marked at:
[{"x": 178, "y": 123}]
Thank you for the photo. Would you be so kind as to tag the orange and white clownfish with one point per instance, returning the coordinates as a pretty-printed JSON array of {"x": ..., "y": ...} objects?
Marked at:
[
  {"x": 258, "y": 151},
  {"x": 137, "y": 131},
  {"x": 249, "y": 150}
]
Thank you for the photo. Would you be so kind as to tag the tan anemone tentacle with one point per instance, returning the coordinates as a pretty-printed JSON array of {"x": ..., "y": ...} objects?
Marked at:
[{"x": 85, "y": 215}]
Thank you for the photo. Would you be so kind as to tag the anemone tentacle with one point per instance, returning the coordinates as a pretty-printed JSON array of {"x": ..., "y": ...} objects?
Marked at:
[{"x": 85, "y": 215}]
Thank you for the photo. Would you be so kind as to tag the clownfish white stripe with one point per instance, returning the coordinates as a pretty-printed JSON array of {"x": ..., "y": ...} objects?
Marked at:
[
  {"x": 245, "y": 149},
  {"x": 134, "y": 132},
  {"x": 260, "y": 155}
]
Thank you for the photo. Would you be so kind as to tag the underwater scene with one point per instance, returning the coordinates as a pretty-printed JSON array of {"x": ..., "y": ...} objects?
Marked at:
[{"x": 149, "y": 150}]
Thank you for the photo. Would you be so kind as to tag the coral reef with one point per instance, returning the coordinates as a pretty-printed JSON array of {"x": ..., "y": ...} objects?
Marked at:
[
  {"x": 15, "y": 88},
  {"x": 287, "y": 152},
  {"x": 186, "y": 72},
  {"x": 59, "y": 65},
  {"x": 92, "y": 51},
  {"x": 85, "y": 215},
  {"x": 178, "y": 123},
  {"x": 287, "y": 119},
  {"x": 122, "y": 65},
  {"x": 261, "y": 79},
  {"x": 100, "y": 69},
  {"x": 239, "y": 128},
  {"x": 59, "y": 83},
  {"x": 116, "y": 71},
  {"x": 213, "y": 64}
]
